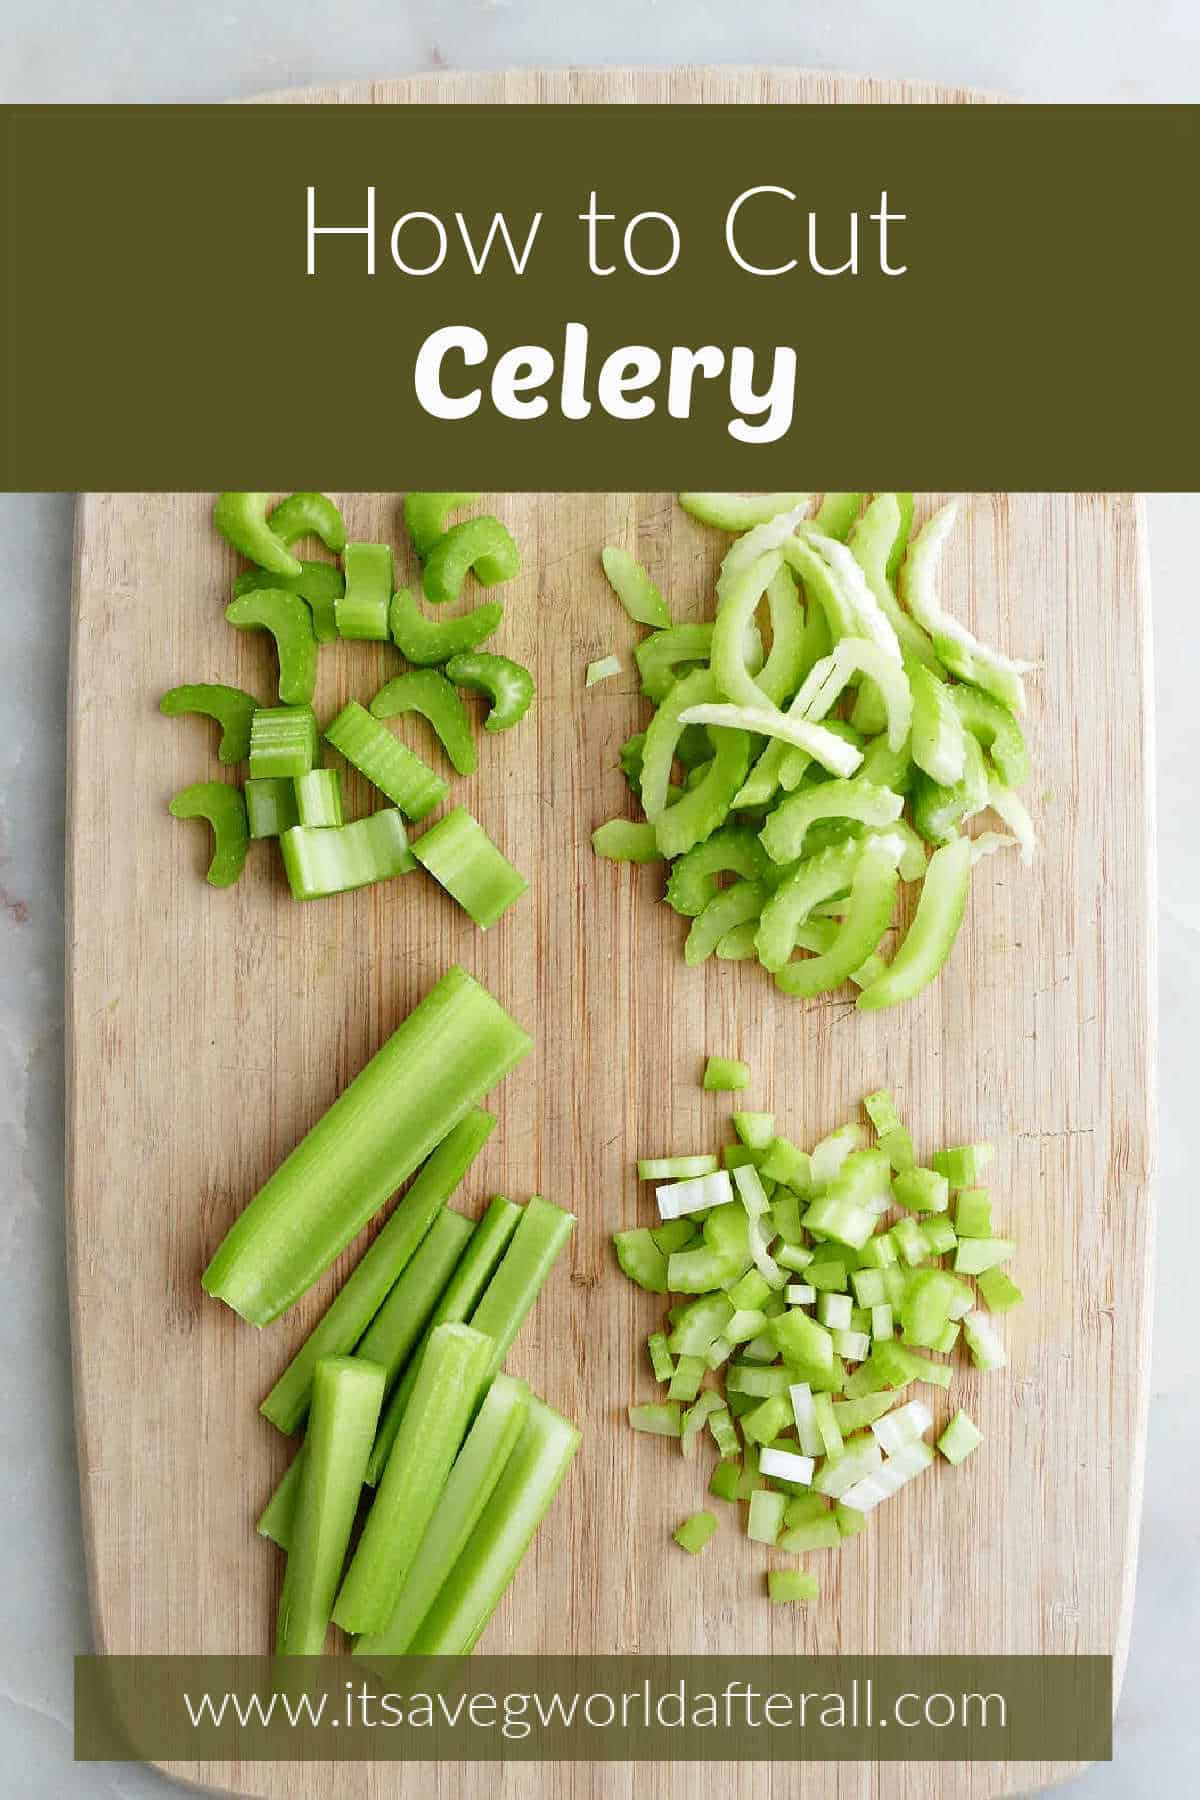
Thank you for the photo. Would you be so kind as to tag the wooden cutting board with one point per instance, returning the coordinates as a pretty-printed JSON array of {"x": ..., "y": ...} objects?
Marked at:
[{"x": 208, "y": 1029}]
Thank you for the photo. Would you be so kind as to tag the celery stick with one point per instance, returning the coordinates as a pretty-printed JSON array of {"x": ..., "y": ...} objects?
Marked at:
[
  {"x": 459, "y": 854},
  {"x": 452, "y": 1048},
  {"x": 275, "y": 1520},
  {"x": 431, "y": 1432},
  {"x": 393, "y": 1332},
  {"x": 469, "y": 1486},
  {"x": 473, "y": 1590},
  {"x": 346, "y": 1399},
  {"x": 356, "y": 1304}
]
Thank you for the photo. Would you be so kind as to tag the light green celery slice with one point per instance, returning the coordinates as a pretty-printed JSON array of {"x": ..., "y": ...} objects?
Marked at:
[
  {"x": 1000, "y": 1294},
  {"x": 786, "y": 1585},
  {"x": 862, "y": 656},
  {"x": 428, "y": 693},
  {"x": 779, "y": 675},
  {"x": 731, "y": 907},
  {"x": 627, "y": 840},
  {"x": 694, "y": 1532},
  {"x": 976, "y": 1255},
  {"x": 425, "y": 517},
  {"x": 921, "y": 1190},
  {"x": 675, "y": 1168},
  {"x": 705, "y": 804},
  {"x": 726, "y": 1478},
  {"x": 388, "y": 764},
  {"x": 324, "y": 860},
  {"x": 868, "y": 916},
  {"x": 817, "y": 878},
  {"x": 737, "y": 944},
  {"x": 960, "y": 1438},
  {"x": 739, "y": 512},
  {"x": 319, "y": 798},
  {"x": 221, "y": 804},
  {"x": 472, "y": 1591},
  {"x": 939, "y": 739},
  {"x": 290, "y": 623},
  {"x": 270, "y": 805},
  {"x": 460, "y": 855},
  {"x": 232, "y": 708},
  {"x": 393, "y": 1332},
  {"x": 930, "y": 938},
  {"x": 766, "y": 1515},
  {"x": 453, "y": 1047},
  {"x": 660, "y": 1419},
  {"x": 443, "y": 1400},
  {"x": 784, "y": 829},
  {"x": 963, "y": 1164},
  {"x": 362, "y": 611},
  {"x": 283, "y": 741},
  {"x": 724, "y": 1074},
  {"x": 663, "y": 654},
  {"x": 818, "y": 1534},
  {"x": 275, "y": 1520},
  {"x": 602, "y": 670},
  {"x": 836, "y": 514},
  {"x": 242, "y": 519},
  {"x": 661, "y": 1361},
  {"x": 1012, "y": 809},
  {"x": 996, "y": 730},
  {"x": 634, "y": 588},
  {"x": 356, "y": 1303},
  {"x": 823, "y": 745},
  {"x": 958, "y": 648},
  {"x": 472, "y": 1481},
  {"x": 872, "y": 543},
  {"x": 346, "y": 1400}
]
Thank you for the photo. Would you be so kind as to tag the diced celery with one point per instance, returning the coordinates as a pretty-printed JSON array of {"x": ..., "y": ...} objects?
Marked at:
[
  {"x": 999, "y": 1292},
  {"x": 725, "y": 1075},
  {"x": 868, "y": 1287},
  {"x": 960, "y": 1438},
  {"x": 641, "y": 1259},
  {"x": 881, "y": 1110},
  {"x": 921, "y": 1190},
  {"x": 695, "y": 1531},
  {"x": 818, "y": 1534},
  {"x": 460, "y": 855},
  {"x": 834, "y": 1310},
  {"x": 780, "y": 1463},
  {"x": 939, "y": 1234},
  {"x": 784, "y": 1162},
  {"x": 897, "y": 1146},
  {"x": 949, "y": 1337},
  {"x": 973, "y": 1213},
  {"x": 963, "y": 1164},
  {"x": 698, "y": 1324},
  {"x": 913, "y": 1247},
  {"x": 694, "y": 1195},
  {"x": 685, "y": 1383},
  {"x": 725, "y": 1478},
  {"x": 693, "y": 1421},
  {"x": 855, "y": 1415},
  {"x": 799, "y": 1293},
  {"x": 661, "y": 1360},
  {"x": 826, "y": 1277},
  {"x": 832, "y": 1151},
  {"x": 749, "y": 1378},
  {"x": 718, "y": 1352},
  {"x": 793, "y": 1257},
  {"x": 784, "y": 1585},
  {"x": 755, "y": 1129},
  {"x": 674, "y": 1234},
  {"x": 841, "y": 1220},
  {"x": 879, "y": 1252},
  {"x": 746, "y": 1323},
  {"x": 766, "y": 1515},
  {"x": 827, "y": 1425},
  {"x": 768, "y": 1419},
  {"x": 975, "y": 1255},
  {"x": 854, "y": 1346},
  {"x": 724, "y": 1434},
  {"x": 850, "y": 1522},
  {"x": 675, "y": 1168},
  {"x": 983, "y": 1341},
  {"x": 662, "y": 1419}
]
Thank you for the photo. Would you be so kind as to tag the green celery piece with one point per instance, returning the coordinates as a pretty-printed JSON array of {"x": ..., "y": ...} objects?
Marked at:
[
  {"x": 784, "y": 1162},
  {"x": 677, "y": 1234},
  {"x": 739, "y": 512},
  {"x": 477, "y": 1469},
  {"x": 388, "y": 764},
  {"x": 474, "y": 1588},
  {"x": 231, "y": 707},
  {"x": 393, "y": 1333},
  {"x": 319, "y": 798},
  {"x": 363, "y": 610},
  {"x": 724, "y": 1432},
  {"x": 225, "y": 810},
  {"x": 763, "y": 1383},
  {"x": 784, "y": 1585},
  {"x": 930, "y": 938},
  {"x": 537, "y": 1243},
  {"x": 785, "y": 828},
  {"x": 698, "y": 1323},
  {"x": 430, "y": 1436},
  {"x": 359, "y": 1299},
  {"x": 666, "y": 655},
  {"x": 921, "y": 1190},
  {"x": 427, "y": 642},
  {"x": 836, "y": 514},
  {"x": 242, "y": 520},
  {"x": 634, "y": 588},
  {"x": 817, "y": 1534},
  {"x": 996, "y": 730},
  {"x": 850, "y": 1521},
  {"x": 275, "y": 1520},
  {"x": 725, "y": 1480},
  {"x": 904, "y": 503},
  {"x": 913, "y": 1248},
  {"x": 508, "y": 685},
  {"x": 425, "y": 517},
  {"x": 426, "y": 692},
  {"x": 929, "y": 1301},
  {"x": 973, "y": 1213},
  {"x": 675, "y": 1168},
  {"x": 768, "y": 1420},
  {"x": 730, "y": 908},
  {"x": 661, "y": 1361},
  {"x": 731, "y": 849},
  {"x": 975, "y": 1255},
  {"x": 1000, "y": 1293},
  {"x": 964, "y": 1163},
  {"x": 625, "y": 840},
  {"x": 725, "y": 1075},
  {"x": 346, "y": 1401},
  {"x": 481, "y": 545},
  {"x": 289, "y": 622},
  {"x": 868, "y": 915},
  {"x": 641, "y": 1259},
  {"x": 855, "y": 1415},
  {"x": 452, "y": 1048},
  {"x": 960, "y": 1438},
  {"x": 335, "y": 859},
  {"x": 460, "y": 855},
  {"x": 959, "y": 649},
  {"x": 897, "y": 1145},
  {"x": 271, "y": 805},
  {"x": 319, "y": 585},
  {"x": 661, "y": 1419},
  {"x": 877, "y": 546},
  {"x": 880, "y": 1108},
  {"x": 819, "y": 877},
  {"x": 939, "y": 739},
  {"x": 755, "y": 1129},
  {"x": 284, "y": 740},
  {"x": 710, "y": 790},
  {"x": 308, "y": 515},
  {"x": 694, "y": 1532},
  {"x": 766, "y": 1515},
  {"x": 737, "y": 944}
]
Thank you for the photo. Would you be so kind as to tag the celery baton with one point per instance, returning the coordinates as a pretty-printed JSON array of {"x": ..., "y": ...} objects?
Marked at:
[{"x": 452, "y": 1048}]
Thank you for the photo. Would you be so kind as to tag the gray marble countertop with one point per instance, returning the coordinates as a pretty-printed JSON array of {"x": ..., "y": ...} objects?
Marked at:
[{"x": 63, "y": 51}]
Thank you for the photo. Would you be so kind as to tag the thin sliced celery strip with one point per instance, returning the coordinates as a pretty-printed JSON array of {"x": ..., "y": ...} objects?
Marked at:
[
  {"x": 661, "y": 1360},
  {"x": 996, "y": 730},
  {"x": 876, "y": 543},
  {"x": 242, "y": 520},
  {"x": 734, "y": 622},
  {"x": 431, "y": 1434},
  {"x": 999, "y": 1292},
  {"x": 319, "y": 798},
  {"x": 664, "y": 654},
  {"x": 900, "y": 547},
  {"x": 784, "y": 830},
  {"x": 470, "y": 1484},
  {"x": 732, "y": 849},
  {"x": 284, "y": 741},
  {"x": 389, "y": 765},
  {"x": 508, "y": 686},
  {"x": 519, "y": 1502},
  {"x": 939, "y": 812},
  {"x": 695, "y": 1531},
  {"x": 724, "y": 1074},
  {"x": 729, "y": 909},
  {"x": 231, "y": 707},
  {"x": 817, "y": 878},
  {"x": 868, "y": 915},
  {"x": 824, "y": 746},
  {"x": 271, "y": 805},
  {"x": 308, "y": 515},
  {"x": 706, "y": 805},
  {"x": 426, "y": 692},
  {"x": 602, "y": 670},
  {"x": 363, "y": 610},
  {"x": 675, "y": 1168},
  {"x": 634, "y": 588},
  {"x": 358, "y": 1300},
  {"x": 930, "y": 938},
  {"x": 325, "y": 860},
  {"x": 425, "y": 517},
  {"x": 460, "y": 855},
  {"x": 450, "y": 1050},
  {"x": 662, "y": 738},
  {"x": 481, "y": 546},
  {"x": 939, "y": 739},
  {"x": 958, "y": 648},
  {"x": 660, "y": 1419},
  {"x": 739, "y": 512},
  {"x": 275, "y": 1520},
  {"x": 428, "y": 642},
  {"x": 225, "y": 811},
  {"x": 394, "y": 1331},
  {"x": 1012, "y": 809},
  {"x": 836, "y": 514},
  {"x": 539, "y": 1240},
  {"x": 346, "y": 1400}
]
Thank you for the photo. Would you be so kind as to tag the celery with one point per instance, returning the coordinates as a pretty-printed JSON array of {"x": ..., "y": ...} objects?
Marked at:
[
  {"x": 722, "y": 1074},
  {"x": 472, "y": 1591},
  {"x": 224, "y": 809},
  {"x": 536, "y": 1246},
  {"x": 921, "y": 1190},
  {"x": 685, "y": 1383},
  {"x": 308, "y": 515},
  {"x": 756, "y": 1130},
  {"x": 762, "y": 1383},
  {"x": 897, "y": 1145},
  {"x": 824, "y": 746},
  {"x": 431, "y": 1432},
  {"x": 362, "y": 611},
  {"x": 482, "y": 545},
  {"x": 780, "y": 1462},
  {"x": 393, "y": 1332},
  {"x": 698, "y": 1324},
  {"x": 325, "y": 860},
  {"x": 634, "y": 588},
  {"x": 799, "y": 1293},
  {"x": 623, "y": 840},
  {"x": 999, "y": 1292},
  {"x": 283, "y": 740},
  {"x": 275, "y": 1520},
  {"x": 641, "y": 1260},
  {"x": 661, "y": 1360},
  {"x": 661, "y": 1419},
  {"x": 602, "y": 670},
  {"x": 389, "y": 765},
  {"x": 665, "y": 654},
  {"x": 962, "y": 653},
  {"x": 723, "y": 1431},
  {"x": 727, "y": 911},
  {"x": 427, "y": 642},
  {"x": 696, "y": 1194},
  {"x": 694, "y": 1420},
  {"x": 976, "y": 1255},
  {"x": 318, "y": 584},
  {"x": 356, "y": 1303},
  {"x": 460, "y": 855},
  {"x": 346, "y": 1400},
  {"x": 290, "y": 623},
  {"x": 964, "y": 1164},
  {"x": 784, "y": 1162},
  {"x": 739, "y": 512},
  {"x": 242, "y": 519},
  {"x": 470, "y": 1485},
  {"x": 426, "y": 692},
  {"x": 882, "y": 1324},
  {"x": 231, "y": 707},
  {"x": 785, "y": 1585},
  {"x": 319, "y": 798},
  {"x": 784, "y": 831},
  {"x": 445, "y": 1056},
  {"x": 708, "y": 795},
  {"x": 960, "y": 1438},
  {"x": 973, "y": 1213},
  {"x": 817, "y": 1534},
  {"x": 725, "y": 1480},
  {"x": 766, "y": 1514},
  {"x": 695, "y": 1531},
  {"x": 425, "y": 517},
  {"x": 767, "y": 1420},
  {"x": 930, "y": 937},
  {"x": 983, "y": 1341},
  {"x": 271, "y": 805},
  {"x": 675, "y": 1168}
]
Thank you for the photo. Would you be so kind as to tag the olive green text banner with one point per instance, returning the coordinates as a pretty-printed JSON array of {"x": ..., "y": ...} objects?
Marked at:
[
  {"x": 594, "y": 1709},
  {"x": 751, "y": 297}
]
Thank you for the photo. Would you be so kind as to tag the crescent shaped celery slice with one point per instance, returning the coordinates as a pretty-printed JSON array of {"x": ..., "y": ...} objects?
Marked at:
[
  {"x": 868, "y": 916},
  {"x": 225, "y": 810},
  {"x": 232, "y": 708},
  {"x": 290, "y": 623},
  {"x": 931, "y": 936},
  {"x": 824, "y": 746},
  {"x": 739, "y": 512},
  {"x": 961, "y": 651},
  {"x": 308, "y": 515}
]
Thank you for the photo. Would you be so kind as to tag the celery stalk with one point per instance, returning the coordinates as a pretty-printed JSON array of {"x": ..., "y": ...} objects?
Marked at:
[
  {"x": 459, "y": 854},
  {"x": 452, "y": 1048},
  {"x": 392, "y": 1334}
]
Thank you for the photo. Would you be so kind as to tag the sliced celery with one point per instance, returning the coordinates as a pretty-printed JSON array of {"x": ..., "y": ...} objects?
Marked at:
[
  {"x": 661, "y": 1360},
  {"x": 780, "y": 1464},
  {"x": 318, "y": 798},
  {"x": 685, "y": 1383},
  {"x": 818, "y": 1534},
  {"x": 973, "y": 1213},
  {"x": 429, "y": 694},
  {"x": 356, "y": 1303},
  {"x": 999, "y": 1292},
  {"x": 784, "y": 1162},
  {"x": 960, "y": 1438},
  {"x": 766, "y": 1513},
  {"x": 481, "y": 545},
  {"x": 275, "y": 1520},
  {"x": 232, "y": 708},
  {"x": 290, "y": 623},
  {"x": 308, "y": 515},
  {"x": 634, "y": 588},
  {"x": 675, "y": 1168},
  {"x": 675, "y": 1234},
  {"x": 283, "y": 741},
  {"x": 739, "y": 512},
  {"x": 324, "y": 860},
  {"x": 725, "y": 1480},
  {"x": 723, "y": 1074},
  {"x": 723, "y": 1431},
  {"x": 602, "y": 670},
  {"x": 536, "y": 1246},
  {"x": 460, "y": 855},
  {"x": 850, "y": 1522},
  {"x": 624, "y": 840},
  {"x": 318, "y": 584},
  {"x": 897, "y": 1145},
  {"x": 695, "y": 1531},
  {"x": 362, "y": 610},
  {"x": 427, "y": 642},
  {"x": 225, "y": 810},
  {"x": 964, "y": 1164},
  {"x": 393, "y": 1333},
  {"x": 755, "y": 1129},
  {"x": 696, "y": 1194},
  {"x": 454, "y": 1046},
  {"x": 938, "y": 1233},
  {"x": 641, "y": 1259},
  {"x": 975, "y": 1255},
  {"x": 921, "y": 1190},
  {"x": 983, "y": 1341},
  {"x": 661, "y": 1419},
  {"x": 425, "y": 517},
  {"x": 786, "y": 1585},
  {"x": 388, "y": 764},
  {"x": 474, "y": 1588},
  {"x": 242, "y": 519}
]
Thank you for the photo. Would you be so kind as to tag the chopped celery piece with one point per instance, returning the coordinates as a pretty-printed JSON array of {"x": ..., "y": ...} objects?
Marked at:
[
  {"x": 756, "y": 1130},
  {"x": 739, "y": 512},
  {"x": 806, "y": 1346},
  {"x": 868, "y": 1287},
  {"x": 855, "y": 1415},
  {"x": 921, "y": 1190},
  {"x": 785, "y": 1465},
  {"x": 964, "y": 1164},
  {"x": 817, "y": 1534},
  {"x": 766, "y": 1512},
  {"x": 897, "y": 1146},
  {"x": 602, "y": 670},
  {"x": 356, "y": 1303},
  {"x": 675, "y": 1234},
  {"x": 724, "y": 1434},
  {"x": 785, "y": 1216},
  {"x": 930, "y": 937},
  {"x": 308, "y": 515},
  {"x": 660, "y": 1419},
  {"x": 469, "y": 1486},
  {"x": 718, "y": 1352},
  {"x": 999, "y": 1292},
  {"x": 799, "y": 1293},
  {"x": 508, "y": 685},
  {"x": 362, "y": 610},
  {"x": 827, "y": 1426},
  {"x": 641, "y": 1259},
  {"x": 983, "y": 1341},
  {"x": 634, "y": 588},
  {"x": 242, "y": 520},
  {"x": 685, "y": 1383},
  {"x": 232, "y": 708},
  {"x": 973, "y": 1213},
  {"x": 270, "y": 805},
  {"x": 429, "y": 694},
  {"x": 834, "y": 1310},
  {"x": 425, "y": 517},
  {"x": 881, "y": 1110},
  {"x": 536, "y": 1245},
  {"x": 346, "y": 1400},
  {"x": 661, "y": 1360},
  {"x": 746, "y": 1323},
  {"x": 879, "y": 1252},
  {"x": 698, "y": 1324},
  {"x": 482, "y": 545},
  {"x": 290, "y": 623},
  {"x": 949, "y": 1337},
  {"x": 324, "y": 860},
  {"x": 786, "y": 1585},
  {"x": 938, "y": 1233},
  {"x": 767, "y": 1420},
  {"x": 975, "y": 1255},
  {"x": 910, "y": 1421},
  {"x": 861, "y": 1456},
  {"x": 427, "y": 642},
  {"x": 475, "y": 1586},
  {"x": 854, "y": 1346},
  {"x": 850, "y": 1522},
  {"x": 725, "y": 1478},
  {"x": 882, "y": 1322},
  {"x": 275, "y": 1520},
  {"x": 624, "y": 840},
  {"x": 283, "y": 740},
  {"x": 804, "y": 1507},
  {"x": 832, "y": 1151},
  {"x": 393, "y": 1333},
  {"x": 842, "y": 1220},
  {"x": 801, "y": 1396},
  {"x": 454, "y": 1046},
  {"x": 724, "y": 1075},
  {"x": 762, "y": 1383},
  {"x": 675, "y": 1168},
  {"x": 460, "y": 855},
  {"x": 431, "y": 1433},
  {"x": 225, "y": 811},
  {"x": 828, "y": 1277},
  {"x": 696, "y": 1194},
  {"x": 913, "y": 1248},
  {"x": 731, "y": 849},
  {"x": 667, "y": 655},
  {"x": 693, "y": 1421},
  {"x": 319, "y": 798},
  {"x": 318, "y": 584},
  {"x": 695, "y": 1531},
  {"x": 960, "y": 1438},
  {"x": 749, "y": 1480},
  {"x": 784, "y": 1162},
  {"x": 750, "y": 1290},
  {"x": 387, "y": 764}
]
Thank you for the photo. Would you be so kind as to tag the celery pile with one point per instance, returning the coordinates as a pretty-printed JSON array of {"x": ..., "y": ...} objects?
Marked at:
[
  {"x": 817, "y": 770},
  {"x": 819, "y": 1288},
  {"x": 288, "y": 795}
]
